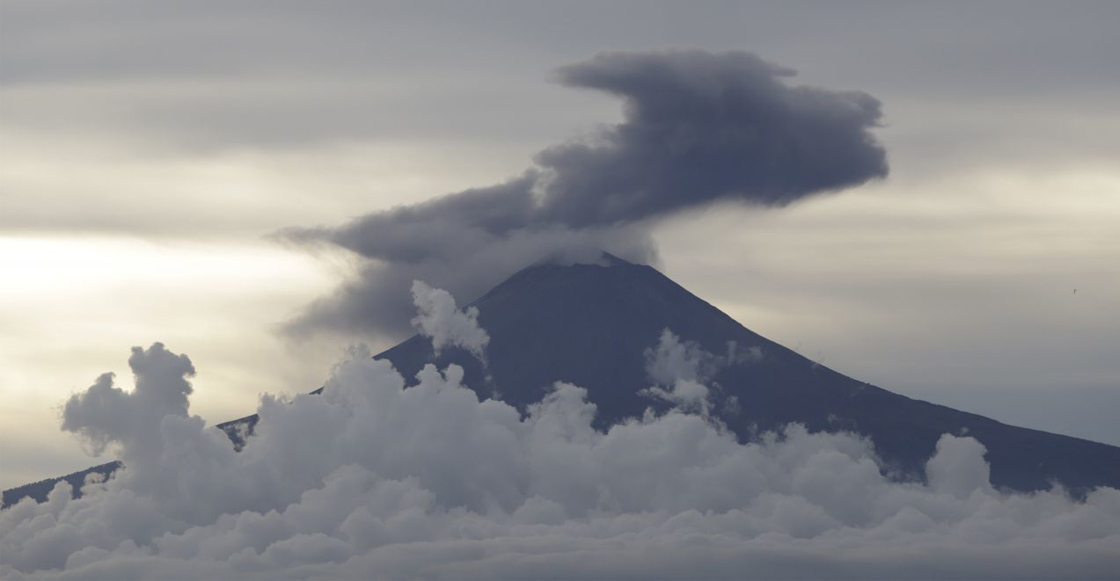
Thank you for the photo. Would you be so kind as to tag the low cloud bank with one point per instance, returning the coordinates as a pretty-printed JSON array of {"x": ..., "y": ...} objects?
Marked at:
[
  {"x": 698, "y": 128},
  {"x": 375, "y": 480}
]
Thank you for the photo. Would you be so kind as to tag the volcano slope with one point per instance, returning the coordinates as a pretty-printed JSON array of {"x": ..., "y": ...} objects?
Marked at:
[
  {"x": 594, "y": 325},
  {"x": 591, "y": 325}
]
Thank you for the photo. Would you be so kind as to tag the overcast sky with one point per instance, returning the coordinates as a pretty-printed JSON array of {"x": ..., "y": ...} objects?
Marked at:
[{"x": 148, "y": 150}]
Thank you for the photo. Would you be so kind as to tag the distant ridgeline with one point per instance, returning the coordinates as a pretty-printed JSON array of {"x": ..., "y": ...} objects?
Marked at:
[
  {"x": 591, "y": 325},
  {"x": 235, "y": 429}
]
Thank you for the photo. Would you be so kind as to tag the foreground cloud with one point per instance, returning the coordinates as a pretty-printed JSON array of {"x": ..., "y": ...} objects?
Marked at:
[
  {"x": 698, "y": 128},
  {"x": 375, "y": 480},
  {"x": 441, "y": 321}
]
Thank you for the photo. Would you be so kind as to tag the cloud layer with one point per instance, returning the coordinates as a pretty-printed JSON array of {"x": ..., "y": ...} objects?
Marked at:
[
  {"x": 373, "y": 479},
  {"x": 698, "y": 128}
]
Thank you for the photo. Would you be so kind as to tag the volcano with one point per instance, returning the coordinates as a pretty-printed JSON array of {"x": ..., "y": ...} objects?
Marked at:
[{"x": 592, "y": 324}]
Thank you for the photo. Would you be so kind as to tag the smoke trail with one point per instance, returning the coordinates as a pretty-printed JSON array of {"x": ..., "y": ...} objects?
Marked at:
[{"x": 698, "y": 128}]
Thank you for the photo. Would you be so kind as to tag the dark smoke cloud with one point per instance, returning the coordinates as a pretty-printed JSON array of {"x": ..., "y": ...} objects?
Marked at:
[
  {"x": 465, "y": 260},
  {"x": 701, "y": 127},
  {"x": 698, "y": 128}
]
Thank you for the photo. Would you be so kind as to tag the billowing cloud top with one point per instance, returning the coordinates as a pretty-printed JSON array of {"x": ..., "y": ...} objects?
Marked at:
[
  {"x": 105, "y": 413},
  {"x": 701, "y": 127},
  {"x": 698, "y": 128}
]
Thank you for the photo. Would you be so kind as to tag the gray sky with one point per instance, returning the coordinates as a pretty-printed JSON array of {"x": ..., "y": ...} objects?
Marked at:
[{"x": 147, "y": 149}]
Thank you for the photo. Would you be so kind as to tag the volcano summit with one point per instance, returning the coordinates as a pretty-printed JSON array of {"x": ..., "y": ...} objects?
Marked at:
[{"x": 592, "y": 325}]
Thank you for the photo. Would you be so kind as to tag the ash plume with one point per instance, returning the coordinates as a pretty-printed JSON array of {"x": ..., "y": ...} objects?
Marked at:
[{"x": 698, "y": 128}]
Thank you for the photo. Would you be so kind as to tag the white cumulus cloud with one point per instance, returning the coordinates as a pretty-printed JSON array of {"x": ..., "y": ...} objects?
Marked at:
[
  {"x": 439, "y": 319},
  {"x": 680, "y": 371},
  {"x": 383, "y": 477}
]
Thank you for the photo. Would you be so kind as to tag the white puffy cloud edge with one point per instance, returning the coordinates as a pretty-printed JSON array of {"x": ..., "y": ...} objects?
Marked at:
[{"x": 375, "y": 480}]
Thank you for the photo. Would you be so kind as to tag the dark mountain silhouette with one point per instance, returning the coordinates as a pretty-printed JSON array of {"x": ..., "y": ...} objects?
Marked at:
[{"x": 591, "y": 324}]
